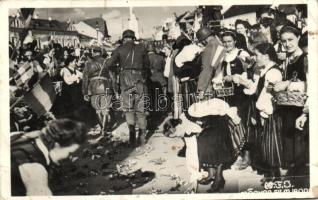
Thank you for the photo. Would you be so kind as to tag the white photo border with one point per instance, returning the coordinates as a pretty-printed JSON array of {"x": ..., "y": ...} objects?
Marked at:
[{"x": 5, "y": 5}]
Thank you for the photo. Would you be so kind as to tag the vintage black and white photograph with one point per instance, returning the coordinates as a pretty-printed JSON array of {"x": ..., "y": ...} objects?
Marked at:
[{"x": 201, "y": 99}]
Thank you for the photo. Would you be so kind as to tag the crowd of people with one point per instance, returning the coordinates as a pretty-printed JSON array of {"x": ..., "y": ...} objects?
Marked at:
[
  {"x": 244, "y": 97},
  {"x": 240, "y": 96}
]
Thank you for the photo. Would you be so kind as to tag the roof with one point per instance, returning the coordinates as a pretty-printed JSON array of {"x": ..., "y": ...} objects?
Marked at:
[
  {"x": 87, "y": 30},
  {"x": 98, "y": 23},
  {"x": 45, "y": 24},
  {"x": 85, "y": 36},
  {"x": 242, "y": 9},
  {"x": 44, "y": 31},
  {"x": 287, "y": 9}
]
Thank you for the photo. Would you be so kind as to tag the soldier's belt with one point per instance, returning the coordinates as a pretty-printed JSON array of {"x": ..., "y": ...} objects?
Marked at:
[
  {"x": 184, "y": 79},
  {"x": 133, "y": 69},
  {"x": 99, "y": 78}
]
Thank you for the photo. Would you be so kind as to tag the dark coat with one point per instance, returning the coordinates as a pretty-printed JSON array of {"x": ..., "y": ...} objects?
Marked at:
[{"x": 133, "y": 63}]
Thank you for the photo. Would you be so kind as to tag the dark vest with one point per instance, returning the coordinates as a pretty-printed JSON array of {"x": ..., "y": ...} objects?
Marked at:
[{"x": 297, "y": 69}]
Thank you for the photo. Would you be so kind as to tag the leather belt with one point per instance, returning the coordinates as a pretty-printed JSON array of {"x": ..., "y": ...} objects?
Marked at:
[
  {"x": 99, "y": 78},
  {"x": 134, "y": 69}
]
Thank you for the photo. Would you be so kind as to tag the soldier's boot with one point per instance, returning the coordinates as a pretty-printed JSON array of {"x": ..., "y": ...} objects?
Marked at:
[
  {"x": 132, "y": 135},
  {"x": 100, "y": 120},
  {"x": 142, "y": 137},
  {"x": 142, "y": 125},
  {"x": 105, "y": 126}
]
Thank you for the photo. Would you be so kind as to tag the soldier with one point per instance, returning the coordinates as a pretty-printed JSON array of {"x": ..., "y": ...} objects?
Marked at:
[
  {"x": 98, "y": 87},
  {"x": 133, "y": 63},
  {"x": 212, "y": 56},
  {"x": 157, "y": 63}
]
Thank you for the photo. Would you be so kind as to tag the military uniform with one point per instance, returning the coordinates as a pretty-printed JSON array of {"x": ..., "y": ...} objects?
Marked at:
[
  {"x": 133, "y": 63},
  {"x": 98, "y": 84},
  {"x": 157, "y": 63},
  {"x": 211, "y": 58}
]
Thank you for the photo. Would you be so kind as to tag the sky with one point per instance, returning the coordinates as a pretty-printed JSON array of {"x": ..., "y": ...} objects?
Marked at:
[{"x": 116, "y": 17}]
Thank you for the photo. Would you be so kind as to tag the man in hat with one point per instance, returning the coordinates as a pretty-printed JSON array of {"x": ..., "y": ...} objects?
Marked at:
[
  {"x": 133, "y": 62},
  {"x": 33, "y": 154},
  {"x": 212, "y": 57},
  {"x": 98, "y": 87},
  {"x": 266, "y": 12}
]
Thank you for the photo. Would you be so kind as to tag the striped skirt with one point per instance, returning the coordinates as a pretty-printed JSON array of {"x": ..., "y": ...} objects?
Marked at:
[
  {"x": 269, "y": 142},
  {"x": 237, "y": 136}
]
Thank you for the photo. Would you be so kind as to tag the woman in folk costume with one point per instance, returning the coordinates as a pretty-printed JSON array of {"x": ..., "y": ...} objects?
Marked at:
[
  {"x": 187, "y": 68},
  {"x": 253, "y": 75},
  {"x": 229, "y": 73},
  {"x": 209, "y": 147},
  {"x": 233, "y": 67},
  {"x": 71, "y": 92},
  {"x": 242, "y": 27},
  {"x": 51, "y": 64},
  {"x": 268, "y": 151},
  {"x": 295, "y": 141}
]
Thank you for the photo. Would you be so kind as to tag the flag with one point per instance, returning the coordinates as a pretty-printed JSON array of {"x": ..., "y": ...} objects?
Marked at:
[
  {"x": 28, "y": 21},
  {"x": 28, "y": 39},
  {"x": 26, "y": 12},
  {"x": 23, "y": 74},
  {"x": 217, "y": 54},
  {"x": 40, "y": 99},
  {"x": 196, "y": 24}
]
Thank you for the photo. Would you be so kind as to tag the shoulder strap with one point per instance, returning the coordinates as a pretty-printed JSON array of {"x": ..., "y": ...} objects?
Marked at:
[
  {"x": 239, "y": 52},
  {"x": 102, "y": 67},
  {"x": 132, "y": 58}
]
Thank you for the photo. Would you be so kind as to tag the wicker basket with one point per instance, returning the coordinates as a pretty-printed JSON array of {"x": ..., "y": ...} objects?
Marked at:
[
  {"x": 224, "y": 91},
  {"x": 290, "y": 98}
]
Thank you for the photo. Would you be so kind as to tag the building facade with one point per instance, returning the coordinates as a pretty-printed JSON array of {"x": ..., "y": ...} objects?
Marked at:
[{"x": 43, "y": 31}]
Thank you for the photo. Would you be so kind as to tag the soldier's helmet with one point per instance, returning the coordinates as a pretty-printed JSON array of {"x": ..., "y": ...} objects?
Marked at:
[
  {"x": 203, "y": 33},
  {"x": 129, "y": 34}
]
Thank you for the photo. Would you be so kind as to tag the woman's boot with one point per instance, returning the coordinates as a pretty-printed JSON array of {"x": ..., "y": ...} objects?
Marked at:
[
  {"x": 219, "y": 182},
  {"x": 208, "y": 180}
]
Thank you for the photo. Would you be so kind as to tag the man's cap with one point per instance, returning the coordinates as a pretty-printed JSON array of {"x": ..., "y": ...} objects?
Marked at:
[
  {"x": 203, "y": 33},
  {"x": 150, "y": 47},
  {"x": 97, "y": 49}
]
